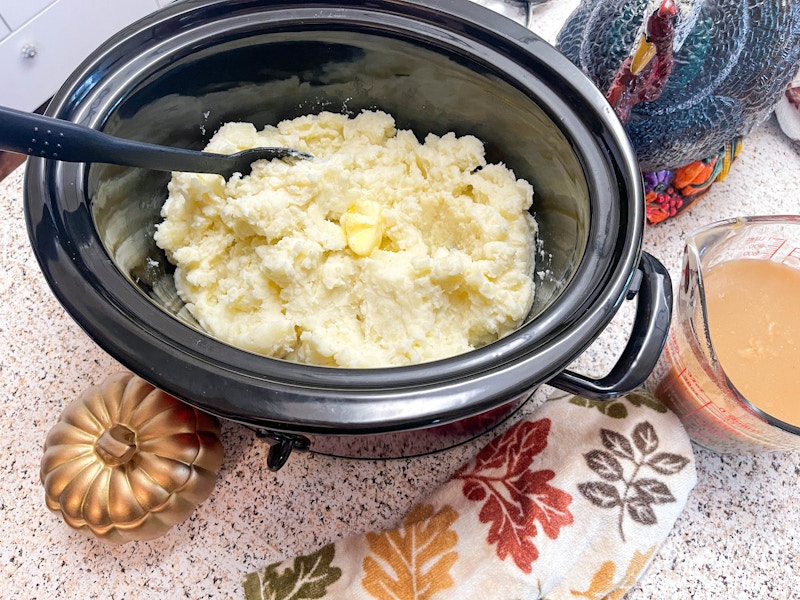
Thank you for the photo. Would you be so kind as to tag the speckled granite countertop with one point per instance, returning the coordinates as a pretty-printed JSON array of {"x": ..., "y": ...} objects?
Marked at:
[{"x": 739, "y": 535}]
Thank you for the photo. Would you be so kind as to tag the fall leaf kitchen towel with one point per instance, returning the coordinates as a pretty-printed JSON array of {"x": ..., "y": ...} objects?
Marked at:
[{"x": 571, "y": 502}]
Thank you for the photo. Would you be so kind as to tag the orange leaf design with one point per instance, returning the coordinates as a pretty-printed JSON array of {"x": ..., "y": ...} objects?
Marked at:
[
  {"x": 413, "y": 561},
  {"x": 602, "y": 586},
  {"x": 602, "y": 581},
  {"x": 638, "y": 563}
]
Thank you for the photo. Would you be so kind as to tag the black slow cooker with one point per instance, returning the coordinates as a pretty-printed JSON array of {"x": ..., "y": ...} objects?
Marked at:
[{"x": 437, "y": 66}]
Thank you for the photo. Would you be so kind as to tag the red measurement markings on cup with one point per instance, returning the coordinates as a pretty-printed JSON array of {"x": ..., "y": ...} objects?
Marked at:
[
  {"x": 685, "y": 392},
  {"x": 761, "y": 247}
]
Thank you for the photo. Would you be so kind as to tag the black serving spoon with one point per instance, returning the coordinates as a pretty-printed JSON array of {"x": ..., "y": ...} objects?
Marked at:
[{"x": 57, "y": 139}]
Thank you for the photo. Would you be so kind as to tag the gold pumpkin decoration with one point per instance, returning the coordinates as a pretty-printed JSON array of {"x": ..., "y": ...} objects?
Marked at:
[{"x": 127, "y": 461}]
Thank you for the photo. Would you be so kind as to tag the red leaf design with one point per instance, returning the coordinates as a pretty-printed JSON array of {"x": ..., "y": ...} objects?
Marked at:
[{"x": 515, "y": 497}]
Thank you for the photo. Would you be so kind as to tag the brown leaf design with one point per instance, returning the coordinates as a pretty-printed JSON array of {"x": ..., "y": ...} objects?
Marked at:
[
  {"x": 645, "y": 438},
  {"x": 667, "y": 463},
  {"x": 604, "y": 464},
  {"x": 617, "y": 443},
  {"x": 601, "y": 494},
  {"x": 641, "y": 511},
  {"x": 638, "y": 494},
  {"x": 653, "y": 490},
  {"x": 413, "y": 561}
]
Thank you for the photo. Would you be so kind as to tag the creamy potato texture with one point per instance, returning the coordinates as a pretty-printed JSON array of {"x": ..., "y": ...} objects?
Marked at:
[{"x": 381, "y": 251}]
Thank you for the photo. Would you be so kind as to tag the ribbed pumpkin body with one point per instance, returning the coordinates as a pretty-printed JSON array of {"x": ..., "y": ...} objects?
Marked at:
[{"x": 126, "y": 461}]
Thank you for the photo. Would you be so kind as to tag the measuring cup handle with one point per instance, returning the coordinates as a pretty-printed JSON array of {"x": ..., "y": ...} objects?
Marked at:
[{"x": 650, "y": 329}]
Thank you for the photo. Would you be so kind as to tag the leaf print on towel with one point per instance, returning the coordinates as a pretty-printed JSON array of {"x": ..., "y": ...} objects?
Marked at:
[
  {"x": 641, "y": 397},
  {"x": 515, "y": 498},
  {"x": 633, "y": 495},
  {"x": 615, "y": 410},
  {"x": 308, "y": 578},
  {"x": 603, "y": 586},
  {"x": 413, "y": 561}
]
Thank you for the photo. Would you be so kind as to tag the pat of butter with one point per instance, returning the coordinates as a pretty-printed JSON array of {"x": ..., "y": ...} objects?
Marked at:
[{"x": 362, "y": 224}]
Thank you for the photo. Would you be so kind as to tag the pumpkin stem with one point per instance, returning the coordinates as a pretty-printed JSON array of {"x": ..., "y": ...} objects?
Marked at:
[{"x": 117, "y": 445}]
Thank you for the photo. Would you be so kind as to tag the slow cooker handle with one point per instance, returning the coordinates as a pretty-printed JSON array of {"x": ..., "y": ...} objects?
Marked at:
[{"x": 650, "y": 329}]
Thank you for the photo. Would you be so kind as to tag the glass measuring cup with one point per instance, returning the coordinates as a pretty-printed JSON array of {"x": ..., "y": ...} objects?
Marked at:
[{"x": 689, "y": 377}]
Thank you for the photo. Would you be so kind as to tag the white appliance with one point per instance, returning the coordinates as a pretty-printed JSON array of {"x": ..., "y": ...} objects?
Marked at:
[{"x": 43, "y": 41}]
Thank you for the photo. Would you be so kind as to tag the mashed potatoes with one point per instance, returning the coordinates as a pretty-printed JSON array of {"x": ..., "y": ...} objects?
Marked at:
[{"x": 380, "y": 251}]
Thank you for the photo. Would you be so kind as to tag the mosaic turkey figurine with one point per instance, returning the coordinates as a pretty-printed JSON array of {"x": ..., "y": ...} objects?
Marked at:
[{"x": 688, "y": 78}]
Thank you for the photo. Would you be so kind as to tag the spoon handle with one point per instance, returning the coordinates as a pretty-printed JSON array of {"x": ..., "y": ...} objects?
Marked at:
[{"x": 57, "y": 139}]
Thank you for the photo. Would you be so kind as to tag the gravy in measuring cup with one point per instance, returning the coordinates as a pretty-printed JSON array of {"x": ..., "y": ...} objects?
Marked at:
[{"x": 753, "y": 311}]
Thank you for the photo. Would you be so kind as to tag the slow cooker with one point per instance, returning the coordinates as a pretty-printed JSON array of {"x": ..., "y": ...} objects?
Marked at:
[{"x": 437, "y": 66}]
